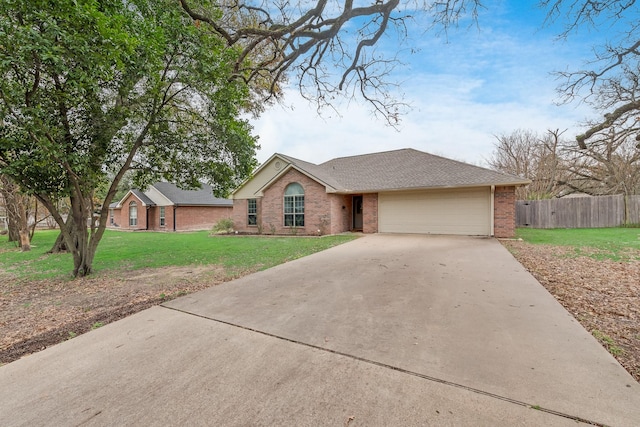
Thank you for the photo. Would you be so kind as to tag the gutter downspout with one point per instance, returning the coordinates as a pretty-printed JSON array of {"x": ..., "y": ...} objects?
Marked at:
[
  {"x": 147, "y": 225},
  {"x": 174, "y": 217},
  {"x": 493, "y": 213}
]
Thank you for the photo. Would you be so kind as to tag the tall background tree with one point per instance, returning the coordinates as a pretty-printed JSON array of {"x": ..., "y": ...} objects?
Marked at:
[
  {"x": 609, "y": 81},
  {"x": 529, "y": 155},
  {"x": 557, "y": 166}
]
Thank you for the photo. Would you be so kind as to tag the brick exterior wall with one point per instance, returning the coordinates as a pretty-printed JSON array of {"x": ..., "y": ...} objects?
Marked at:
[
  {"x": 323, "y": 213},
  {"x": 239, "y": 216},
  {"x": 317, "y": 214},
  {"x": 341, "y": 213},
  {"x": 116, "y": 214},
  {"x": 370, "y": 213},
  {"x": 123, "y": 220},
  {"x": 188, "y": 218},
  {"x": 504, "y": 212}
]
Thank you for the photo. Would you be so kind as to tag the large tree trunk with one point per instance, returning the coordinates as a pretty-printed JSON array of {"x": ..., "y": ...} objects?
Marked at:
[
  {"x": 81, "y": 239},
  {"x": 16, "y": 207},
  {"x": 75, "y": 233},
  {"x": 23, "y": 223},
  {"x": 7, "y": 191},
  {"x": 12, "y": 225},
  {"x": 60, "y": 245}
]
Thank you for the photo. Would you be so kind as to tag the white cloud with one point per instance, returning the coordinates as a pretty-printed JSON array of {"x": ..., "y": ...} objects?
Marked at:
[
  {"x": 443, "y": 122},
  {"x": 462, "y": 93}
]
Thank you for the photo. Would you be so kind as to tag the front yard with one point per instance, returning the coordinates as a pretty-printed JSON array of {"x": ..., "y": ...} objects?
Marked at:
[
  {"x": 40, "y": 305},
  {"x": 595, "y": 275}
]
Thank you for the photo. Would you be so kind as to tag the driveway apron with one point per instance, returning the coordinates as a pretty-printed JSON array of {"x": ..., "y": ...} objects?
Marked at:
[{"x": 387, "y": 329}]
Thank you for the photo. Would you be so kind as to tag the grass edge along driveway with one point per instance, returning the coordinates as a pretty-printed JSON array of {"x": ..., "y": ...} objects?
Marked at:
[
  {"x": 121, "y": 251},
  {"x": 595, "y": 275}
]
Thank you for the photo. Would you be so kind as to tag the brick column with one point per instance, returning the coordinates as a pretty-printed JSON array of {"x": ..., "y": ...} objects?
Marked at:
[
  {"x": 370, "y": 213},
  {"x": 504, "y": 212}
]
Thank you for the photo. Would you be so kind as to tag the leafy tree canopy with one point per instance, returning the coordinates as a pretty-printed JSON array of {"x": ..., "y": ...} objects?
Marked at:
[{"x": 92, "y": 89}]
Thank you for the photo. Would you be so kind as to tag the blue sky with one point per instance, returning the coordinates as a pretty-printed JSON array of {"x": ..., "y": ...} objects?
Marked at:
[{"x": 463, "y": 89}]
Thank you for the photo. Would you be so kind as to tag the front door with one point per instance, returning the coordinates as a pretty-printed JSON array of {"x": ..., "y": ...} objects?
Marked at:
[{"x": 357, "y": 213}]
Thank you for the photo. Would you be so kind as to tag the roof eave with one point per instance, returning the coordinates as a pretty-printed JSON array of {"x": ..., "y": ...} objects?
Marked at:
[
  {"x": 130, "y": 192},
  {"x": 436, "y": 187}
]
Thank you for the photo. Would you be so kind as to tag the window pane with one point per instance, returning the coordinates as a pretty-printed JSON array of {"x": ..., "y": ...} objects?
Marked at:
[
  {"x": 133, "y": 214},
  {"x": 288, "y": 204},
  {"x": 294, "y": 206},
  {"x": 288, "y": 220},
  {"x": 252, "y": 212},
  {"x": 293, "y": 189}
]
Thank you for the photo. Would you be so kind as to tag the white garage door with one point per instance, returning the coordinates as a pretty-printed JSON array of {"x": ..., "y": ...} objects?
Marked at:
[{"x": 451, "y": 211}]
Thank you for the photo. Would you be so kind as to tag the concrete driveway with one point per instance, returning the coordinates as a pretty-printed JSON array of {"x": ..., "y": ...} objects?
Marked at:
[{"x": 384, "y": 330}]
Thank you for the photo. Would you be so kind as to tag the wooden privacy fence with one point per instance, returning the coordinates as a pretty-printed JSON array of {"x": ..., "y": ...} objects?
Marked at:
[{"x": 579, "y": 212}]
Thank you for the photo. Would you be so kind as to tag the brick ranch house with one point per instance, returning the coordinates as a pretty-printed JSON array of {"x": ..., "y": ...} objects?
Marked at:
[
  {"x": 165, "y": 207},
  {"x": 400, "y": 191}
]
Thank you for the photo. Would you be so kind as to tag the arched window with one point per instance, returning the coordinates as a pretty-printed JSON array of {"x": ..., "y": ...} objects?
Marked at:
[
  {"x": 133, "y": 214},
  {"x": 294, "y": 205}
]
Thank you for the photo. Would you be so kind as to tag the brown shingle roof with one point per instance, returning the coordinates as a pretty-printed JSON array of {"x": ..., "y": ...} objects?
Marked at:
[
  {"x": 399, "y": 170},
  {"x": 315, "y": 171}
]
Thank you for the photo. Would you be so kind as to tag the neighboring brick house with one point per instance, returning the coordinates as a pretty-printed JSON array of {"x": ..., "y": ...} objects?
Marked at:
[
  {"x": 400, "y": 191},
  {"x": 165, "y": 207}
]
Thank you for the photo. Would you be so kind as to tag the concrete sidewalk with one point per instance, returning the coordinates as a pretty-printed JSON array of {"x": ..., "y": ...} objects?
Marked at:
[{"x": 385, "y": 330}]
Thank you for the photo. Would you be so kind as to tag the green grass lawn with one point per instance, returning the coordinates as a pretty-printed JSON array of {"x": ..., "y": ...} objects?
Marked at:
[
  {"x": 131, "y": 251},
  {"x": 612, "y": 243}
]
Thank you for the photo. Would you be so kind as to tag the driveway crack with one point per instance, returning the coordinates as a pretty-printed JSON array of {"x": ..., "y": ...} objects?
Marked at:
[{"x": 399, "y": 369}]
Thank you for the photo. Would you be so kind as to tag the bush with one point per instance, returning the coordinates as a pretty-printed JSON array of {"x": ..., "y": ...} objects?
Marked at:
[{"x": 225, "y": 225}]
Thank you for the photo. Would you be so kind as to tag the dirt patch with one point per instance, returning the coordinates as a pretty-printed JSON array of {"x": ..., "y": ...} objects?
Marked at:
[
  {"x": 602, "y": 294},
  {"x": 38, "y": 314}
]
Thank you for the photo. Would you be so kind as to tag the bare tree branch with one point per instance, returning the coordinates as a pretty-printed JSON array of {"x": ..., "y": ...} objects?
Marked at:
[
  {"x": 609, "y": 120},
  {"x": 309, "y": 39}
]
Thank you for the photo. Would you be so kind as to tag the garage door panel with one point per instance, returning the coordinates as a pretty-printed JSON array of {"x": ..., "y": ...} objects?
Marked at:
[{"x": 459, "y": 211}]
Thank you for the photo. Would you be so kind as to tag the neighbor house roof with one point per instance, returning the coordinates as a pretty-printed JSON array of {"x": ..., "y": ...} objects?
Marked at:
[
  {"x": 146, "y": 201},
  {"x": 177, "y": 196},
  {"x": 142, "y": 197},
  {"x": 201, "y": 197},
  {"x": 399, "y": 170}
]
